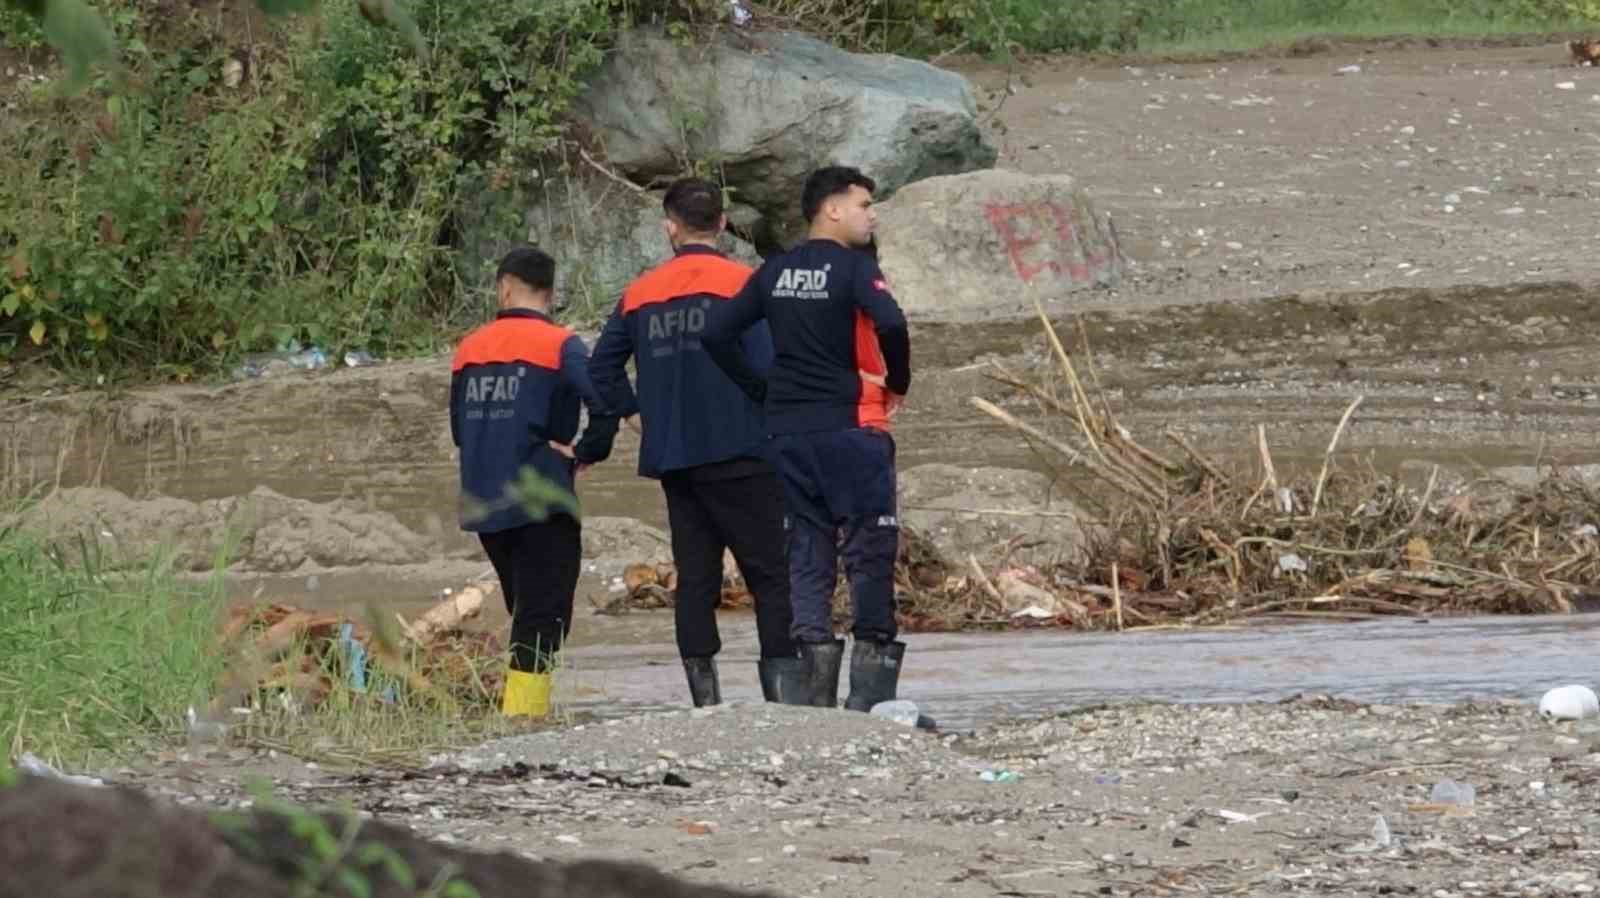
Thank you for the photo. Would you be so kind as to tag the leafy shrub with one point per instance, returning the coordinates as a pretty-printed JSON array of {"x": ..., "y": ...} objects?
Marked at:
[{"x": 167, "y": 219}]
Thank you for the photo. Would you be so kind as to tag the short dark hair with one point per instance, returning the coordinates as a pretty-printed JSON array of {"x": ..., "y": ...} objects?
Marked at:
[
  {"x": 530, "y": 265},
  {"x": 696, "y": 203},
  {"x": 829, "y": 181}
]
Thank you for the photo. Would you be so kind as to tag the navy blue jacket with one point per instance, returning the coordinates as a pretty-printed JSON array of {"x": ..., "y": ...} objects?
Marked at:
[
  {"x": 691, "y": 413},
  {"x": 839, "y": 338},
  {"x": 515, "y": 385}
]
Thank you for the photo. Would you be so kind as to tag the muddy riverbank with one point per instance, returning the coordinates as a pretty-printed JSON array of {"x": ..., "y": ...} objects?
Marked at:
[{"x": 1124, "y": 800}]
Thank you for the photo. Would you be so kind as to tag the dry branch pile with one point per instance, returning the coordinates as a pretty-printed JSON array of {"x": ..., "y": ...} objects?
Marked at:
[
  {"x": 295, "y": 658},
  {"x": 1182, "y": 542},
  {"x": 1193, "y": 545}
]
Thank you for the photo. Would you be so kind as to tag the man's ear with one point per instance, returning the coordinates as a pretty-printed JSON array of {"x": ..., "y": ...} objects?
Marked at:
[{"x": 722, "y": 223}]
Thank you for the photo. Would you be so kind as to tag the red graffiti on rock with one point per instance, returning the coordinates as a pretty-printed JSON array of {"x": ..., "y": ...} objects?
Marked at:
[{"x": 1024, "y": 226}]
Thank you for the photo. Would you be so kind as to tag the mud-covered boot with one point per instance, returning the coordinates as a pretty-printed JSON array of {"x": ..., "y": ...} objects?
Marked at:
[
  {"x": 874, "y": 673},
  {"x": 704, "y": 689},
  {"x": 785, "y": 680},
  {"x": 822, "y": 660}
]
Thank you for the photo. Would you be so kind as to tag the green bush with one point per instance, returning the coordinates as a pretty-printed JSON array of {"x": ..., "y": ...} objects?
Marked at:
[{"x": 166, "y": 219}]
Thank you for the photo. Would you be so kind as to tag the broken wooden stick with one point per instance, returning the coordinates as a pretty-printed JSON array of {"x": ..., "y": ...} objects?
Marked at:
[
  {"x": 448, "y": 614},
  {"x": 1327, "y": 456}
]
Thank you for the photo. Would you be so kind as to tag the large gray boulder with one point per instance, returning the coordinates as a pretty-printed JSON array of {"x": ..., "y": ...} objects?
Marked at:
[
  {"x": 767, "y": 108},
  {"x": 602, "y": 234},
  {"x": 987, "y": 242}
]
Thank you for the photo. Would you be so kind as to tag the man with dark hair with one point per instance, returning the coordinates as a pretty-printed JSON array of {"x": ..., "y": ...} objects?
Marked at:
[
  {"x": 843, "y": 365},
  {"x": 515, "y": 387},
  {"x": 702, "y": 438}
]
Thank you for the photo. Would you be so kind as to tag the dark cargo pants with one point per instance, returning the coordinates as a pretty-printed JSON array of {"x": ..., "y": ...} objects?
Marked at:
[{"x": 834, "y": 482}]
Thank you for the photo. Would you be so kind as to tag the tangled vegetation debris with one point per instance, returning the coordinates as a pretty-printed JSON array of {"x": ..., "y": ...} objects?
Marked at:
[{"x": 1179, "y": 541}]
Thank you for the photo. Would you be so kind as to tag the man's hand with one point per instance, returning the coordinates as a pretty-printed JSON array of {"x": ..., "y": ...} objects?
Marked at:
[
  {"x": 565, "y": 451},
  {"x": 891, "y": 400},
  {"x": 633, "y": 424},
  {"x": 892, "y": 403}
]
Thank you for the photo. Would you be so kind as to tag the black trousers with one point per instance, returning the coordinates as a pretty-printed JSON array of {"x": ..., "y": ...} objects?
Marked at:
[
  {"x": 538, "y": 567},
  {"x": 841, "y": 482},
  {"x": 743, "y": 514}
]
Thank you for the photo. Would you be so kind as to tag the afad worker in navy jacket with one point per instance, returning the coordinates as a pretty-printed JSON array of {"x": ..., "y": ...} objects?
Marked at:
[
  {"x": 702, "y": 438},
  {"x": 842, "y": 369},
  {"x": 515, "y": 389}
]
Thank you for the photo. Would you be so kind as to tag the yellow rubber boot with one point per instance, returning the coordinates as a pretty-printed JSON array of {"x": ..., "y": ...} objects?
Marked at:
[{"x": 526, "y": 694}]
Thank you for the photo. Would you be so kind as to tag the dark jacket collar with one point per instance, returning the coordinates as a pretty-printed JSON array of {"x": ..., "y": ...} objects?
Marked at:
[
  {"x": 697, "y": 249},
  {"x": 522, "y": 313}
]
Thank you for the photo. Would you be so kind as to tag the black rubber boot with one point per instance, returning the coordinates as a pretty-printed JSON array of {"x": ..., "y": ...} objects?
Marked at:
[
  {"x": 822, "y": 660},
  {"x": 704, "y": 688},
  {"x": 874, "y": 673},
  {"x": 785, "y": 681}
]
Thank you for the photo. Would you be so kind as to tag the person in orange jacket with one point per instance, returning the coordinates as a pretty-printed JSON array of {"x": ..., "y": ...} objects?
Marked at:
[{"x": 516, "y": 387}]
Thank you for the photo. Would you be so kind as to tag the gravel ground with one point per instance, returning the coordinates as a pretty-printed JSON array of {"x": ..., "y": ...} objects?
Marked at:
[{"x": 1122, "y": 800}]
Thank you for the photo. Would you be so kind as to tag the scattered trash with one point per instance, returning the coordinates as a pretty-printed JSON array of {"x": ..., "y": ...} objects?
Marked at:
[
  {"x": 202, "y": 730},
  {"x": 1587, "y": 530},
  {"x": 1108, "y": 779},
  {"x": 308, "y": 359},
  {"x": 1289, "y": 561},
  {"x": 1450, "y": 792},
  {"x": 1380, "y": 832},
  {"x": 1000, "y": 776},
  {"x": 741, "y": 15},
  {"x": 1566, "y": 85},
  {"x": 1286, "y": 502},
  {"x": 1569, "y": 703},
  {"x": 359, "y": 359},
  {"x": 1349, "y": 70},
  {"x": 900, "y": 711},
  {"x": 355, "y": 657},
  {"x": 1034, "y": 612},
  {"x": 291, "y": 356},
  {"x": 300, "y": 652},
  {"x": 1237, "y": 817},
  {"x": 30, "y": 763}
]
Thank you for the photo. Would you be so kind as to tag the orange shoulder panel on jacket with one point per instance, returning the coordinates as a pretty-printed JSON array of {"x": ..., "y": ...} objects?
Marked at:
[
  {"x": 513, "y": 340},
  {"x": 687, "y": 275}
]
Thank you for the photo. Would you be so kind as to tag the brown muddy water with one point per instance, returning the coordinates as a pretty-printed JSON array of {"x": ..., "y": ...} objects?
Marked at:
[{"x": 969, "y": 680}]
